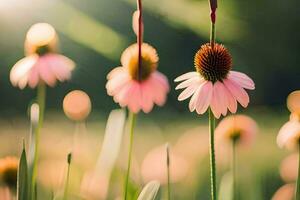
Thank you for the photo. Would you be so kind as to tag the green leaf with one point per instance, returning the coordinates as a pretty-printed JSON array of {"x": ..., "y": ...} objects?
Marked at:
[
  {"x": 22, "y": 184},
  {"x": 149, "y": 192}
]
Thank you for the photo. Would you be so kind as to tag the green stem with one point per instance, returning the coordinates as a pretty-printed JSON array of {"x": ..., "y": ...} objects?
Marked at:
[
  {"x": 212, "y": 155},
  {"x": 132, "y": 119},
  {"x": 212, "y": 35},
  {"x": 298, "y": 179},
  {"x": 168, "y": 172},
  {"x": 41, "y": 100},
  {"x": 233, "y": 166},
  {"x": 66, "y": 190}
]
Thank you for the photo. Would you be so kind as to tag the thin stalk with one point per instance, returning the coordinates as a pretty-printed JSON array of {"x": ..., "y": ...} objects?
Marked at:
[
  {"x": 212, "y": 35},
  {"x": 212, "y": 155},
  {"x": 233, "y": 168},
  {"x": 41, "y": 100},
  {"x": 132, "y": 119},
  {"x": 66, "y": 190},
  {"x": 140, "y": 37},
  {"x": 298, "y": 179},
  {"x": 168, "y": 172}
]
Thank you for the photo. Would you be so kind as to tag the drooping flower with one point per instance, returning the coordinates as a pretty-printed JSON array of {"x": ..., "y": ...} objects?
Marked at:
[
  {"x": 213, "y": 84},
  {"x": 42, "y": 63},
  {"x": 77, "y": 105},
  {"x": 9, "y": 170},
  {"x": 289, "y": 135},
  {"x": 289, "y": 168},
  {"x": 240, "y": 128},
  {"x": 138, "y": 89},
  {"x": 285, "y": 192}
]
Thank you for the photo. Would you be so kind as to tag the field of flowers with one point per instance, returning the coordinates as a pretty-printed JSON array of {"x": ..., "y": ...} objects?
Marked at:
[{"x": 212, "y": 142}]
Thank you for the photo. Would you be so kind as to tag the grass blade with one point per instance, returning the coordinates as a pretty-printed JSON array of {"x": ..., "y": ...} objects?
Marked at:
[
  {"x": 22, "y": 184},
  {"x": 149, "y": 192}
]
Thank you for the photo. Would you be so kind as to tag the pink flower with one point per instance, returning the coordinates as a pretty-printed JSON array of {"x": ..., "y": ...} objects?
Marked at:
[
  {"x": 41, "y": 64},
  {"x": 134, "y": 88},
  {"x": 213, "y": 84},
  {"x": 289, "y": 135},
  {"x": 241, "y": 128}
]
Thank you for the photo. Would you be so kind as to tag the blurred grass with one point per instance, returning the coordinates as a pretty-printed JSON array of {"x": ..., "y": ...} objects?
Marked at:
[{"x": 258, "y": 178}]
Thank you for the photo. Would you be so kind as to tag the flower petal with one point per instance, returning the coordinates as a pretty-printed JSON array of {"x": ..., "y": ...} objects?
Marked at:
[
  {"x": 237, "y": 91},
  {"x": 147, "y": 98},
  {"x": 186, "y": 76},
  {"x": 219, "y": 100},
  {"x": 232, "y": 104},
  {"x": 188, "y": 92},
  {"x": 22, "y": 69},
  {"x": 189, "y": 82},
  {"x": 242, "y": 79},
  {"x": 204, "y": 97}
]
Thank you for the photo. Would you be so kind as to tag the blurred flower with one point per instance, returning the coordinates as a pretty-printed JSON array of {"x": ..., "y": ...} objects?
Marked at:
[
  {"x": 51, "y": 174},
  {"x": 293, "y": 102},
  {"x": 138, "y": 88},
  {"x": 9, "y": 170},
  {"x": 213, "y": 84},
  {"x": 289, "y": 168},
  {"x": 237, "y": 127},
  {"x": 193, "y": 144},
  {"x": 42, "y": 63},
  {"x": 5, "y": 194},
  {"x": 94, "y": 185},
  {"x": 289, "y": 135},
  {"x": 77, "y": 105},
  {"x": 154, "y": 166},
  {"x": 286, "y": 192}
]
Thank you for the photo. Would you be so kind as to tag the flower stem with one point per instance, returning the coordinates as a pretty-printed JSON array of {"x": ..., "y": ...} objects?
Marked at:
[
  {"x": 212, "y": 155},
  {"x": 212, "y": 35},
  {"x": 233, "y": 168},
  {"x": 140, "y": 36},
  {"x": 66, "y": 190},
  {"x": 132, "y": 119},
  {"x": 298, "y": 179},
  {"x": 41, "y": 100},
  {"x": 168, "y": 171}
]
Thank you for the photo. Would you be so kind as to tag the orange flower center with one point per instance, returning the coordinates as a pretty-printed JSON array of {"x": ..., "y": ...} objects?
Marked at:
[
  {"x": 213, "y": 63},
  {"x": 149, "y": 61}
]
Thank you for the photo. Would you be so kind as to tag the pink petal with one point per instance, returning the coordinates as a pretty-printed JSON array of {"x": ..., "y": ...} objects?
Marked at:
[
  {"x": 60, "y": 65},
  {"x": 147, "y": 98},
  {"x": 162, "y": 79},
  {"x": 114, "y": 72},
  {"x": 232, "y": 104},
  {"x": 33, "y": 77},
  {"x": 188, "y": 92},
  {"x": 242, "y": 79},
  {"x": 186, "y": 76},
  {"x": 204, "y": 97},
  {"x": 237, "y": 91},
  {"x": 123, "y": 95},
  {"x": 116, "y": 83},
  {"x": 220, "y": 92},
  {"x": 216, "y": 103},
  {"x": 189, "y": 82},
  {"x": 159, "y": 90},
  {"x": 134, "y": 104},
  {"x": 45, "y": 72},
  {"x": 21, "y": 70}
]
